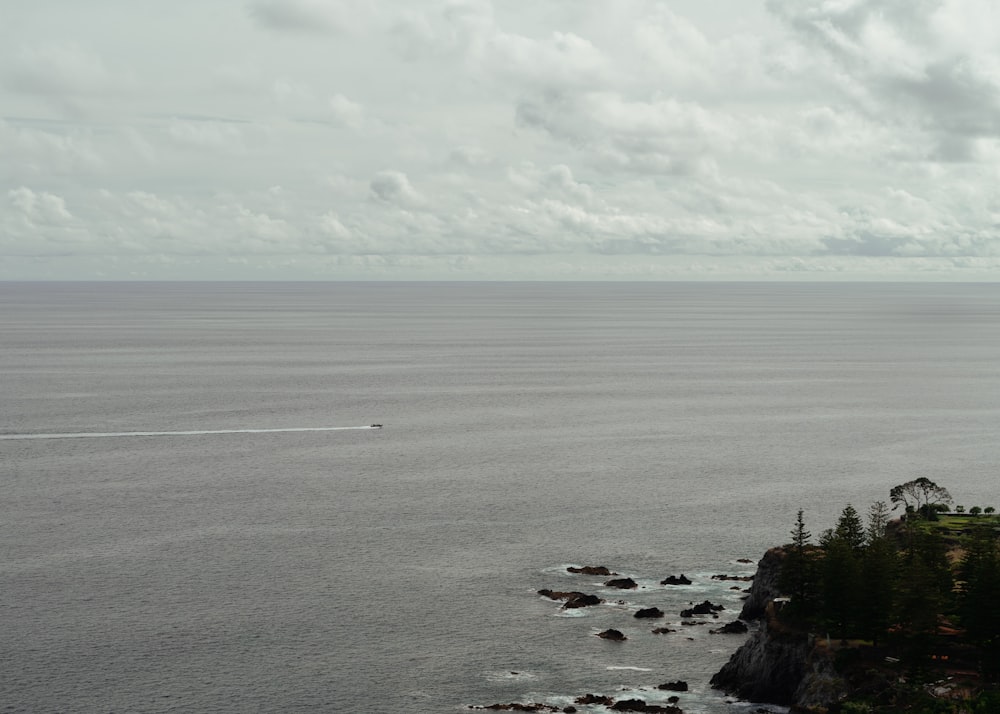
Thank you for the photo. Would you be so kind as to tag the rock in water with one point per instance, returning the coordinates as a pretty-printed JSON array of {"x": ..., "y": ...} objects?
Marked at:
[
  {"x": 612, "y": 634},
  {"x": 736, "y": 627},
  {"x": 702, "y": 608},
  {"x": 675, "y": 580},
  {"x": 622, "y": 583},
  {"x": 591, "y": 570}
]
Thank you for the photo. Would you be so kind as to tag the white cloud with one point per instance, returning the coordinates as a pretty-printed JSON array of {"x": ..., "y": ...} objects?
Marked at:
[
  {"x": 463, "y": 137},
  {"x": 932, "y": 63},
  {"x": 39, "y": 208}
]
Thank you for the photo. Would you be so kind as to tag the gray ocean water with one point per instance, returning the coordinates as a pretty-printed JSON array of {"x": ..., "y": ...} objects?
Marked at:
[{"x": 657, "y": 429}]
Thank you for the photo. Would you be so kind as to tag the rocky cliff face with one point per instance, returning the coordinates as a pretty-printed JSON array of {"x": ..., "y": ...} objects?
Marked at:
[
  {"x": 767, "y": 668},
  {"x": 775, "y": 664},
  {"x": 764, "y": 588}
]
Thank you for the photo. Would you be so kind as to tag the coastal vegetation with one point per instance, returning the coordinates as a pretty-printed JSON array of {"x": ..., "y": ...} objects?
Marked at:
[{"x": 907, "y": 608}]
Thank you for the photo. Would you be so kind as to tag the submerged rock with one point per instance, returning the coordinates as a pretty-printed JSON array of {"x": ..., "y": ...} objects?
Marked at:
[{"x": 517, "y": 707}]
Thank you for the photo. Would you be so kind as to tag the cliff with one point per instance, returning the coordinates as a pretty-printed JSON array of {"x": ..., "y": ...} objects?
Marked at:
[
  {"x": 778, "y": 665},
  {"x": 764, "y": 588}
]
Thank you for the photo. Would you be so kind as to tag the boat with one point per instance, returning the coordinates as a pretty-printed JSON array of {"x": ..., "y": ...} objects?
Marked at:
[{"x": 376, "y": 426}]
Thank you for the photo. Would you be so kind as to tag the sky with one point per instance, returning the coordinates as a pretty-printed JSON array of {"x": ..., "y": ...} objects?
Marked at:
[{"x": 500, "y": 140}]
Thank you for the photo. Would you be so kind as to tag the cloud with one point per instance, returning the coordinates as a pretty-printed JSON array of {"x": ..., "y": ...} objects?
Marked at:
[
  {"x": 309, "y": 16},
  {"x": 934, "y": 64},
  {"x": 60, "y": 69},
  {"x": 39, "y": 207},
  {"x": 662, "y": 135},
  {"x": 223, "y": 137},
  {"x": 346, "y": 113},
  {"x": 394, "y": 187},
  {"x": 661, "y": 140}
]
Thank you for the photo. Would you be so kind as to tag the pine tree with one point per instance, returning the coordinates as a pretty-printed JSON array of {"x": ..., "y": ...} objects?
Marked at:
[
  {"x": 878, "y": 519},
  {"x": 979, "y": 572},
  {"x": 798, "y": 572},
  {"x": 841, "y": 590},
  {"x": 850, "y": 529}
]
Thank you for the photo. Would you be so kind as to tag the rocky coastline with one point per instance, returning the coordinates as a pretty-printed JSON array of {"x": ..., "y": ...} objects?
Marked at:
[{"x": 775, "y": 664}]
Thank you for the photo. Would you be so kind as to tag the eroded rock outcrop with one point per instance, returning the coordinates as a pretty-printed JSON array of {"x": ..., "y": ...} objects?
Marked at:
[
  {"x": 676, "y": 580},
  {"x": 778, "y": 664},
  {"x": 638, "y": 705},
  {"x": 702, "y": 608},
  {"x": 736, "y": 627},
  {"x": 622, "y": 583},
  {"x": 765, "y": 585},
  {"x": 595, "y": 699},
  {"x": 613, "y": 635},
  {"x": 591, "y": 570},
  {"x": 573, "y": 598}
]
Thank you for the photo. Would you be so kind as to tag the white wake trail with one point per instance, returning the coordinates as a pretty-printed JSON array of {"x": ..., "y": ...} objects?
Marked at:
[{"x": 200, "y": 432}]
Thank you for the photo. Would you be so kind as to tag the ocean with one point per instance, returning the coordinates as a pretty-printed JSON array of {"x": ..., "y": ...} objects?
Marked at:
[{"x": 654, "y": 428}]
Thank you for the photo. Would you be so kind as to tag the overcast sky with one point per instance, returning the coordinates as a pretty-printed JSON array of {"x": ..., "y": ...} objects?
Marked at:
[{"x": 506, "y": 139}]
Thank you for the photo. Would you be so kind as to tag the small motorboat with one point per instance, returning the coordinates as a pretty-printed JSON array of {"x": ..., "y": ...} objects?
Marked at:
[{"x": 376, "y": 426}]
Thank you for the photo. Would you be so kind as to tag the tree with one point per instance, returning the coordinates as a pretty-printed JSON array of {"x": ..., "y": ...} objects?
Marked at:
[
  {"x": 989, "y": 510},
  {"x": 798, "y": 572},
  {"x": 850, "y": 529},
  {"x": 880, "y": 574},
  {"x": 975, "y": 511},
  {"x": 841, "y": 591},
  {"x": 879, "y": 571},
  {"x": 918, "y": 495},
  {"x": 878, "y": 519},
  {"x": 979, "y": 573},
  {"x": 800, "y": 536},
  {"x": 959, "y": 509},
  {"x": 925, "y": 587}
]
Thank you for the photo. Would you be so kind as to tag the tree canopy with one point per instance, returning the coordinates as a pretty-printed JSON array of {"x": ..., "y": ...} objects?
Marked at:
[{"x": 920, "y": 495}]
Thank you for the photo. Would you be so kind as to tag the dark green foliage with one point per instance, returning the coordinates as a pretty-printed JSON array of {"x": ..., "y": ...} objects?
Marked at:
[
  {"x": 840, "y": 583},
  {"x": 979, "y": 600},
  {"x": 924, "y": 589},
  {"x": 798, "y": 573},
  {"x": 880, "y": 578},
  {"x": 878, "y": 519},
  {"x": 850, "y": 529},
  {"x": 891, "y": 583},
  {"x": 917, "y": 494}
]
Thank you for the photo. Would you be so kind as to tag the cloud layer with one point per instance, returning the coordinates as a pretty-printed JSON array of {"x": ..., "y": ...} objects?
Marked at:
[{"x": 472, "y": 139}]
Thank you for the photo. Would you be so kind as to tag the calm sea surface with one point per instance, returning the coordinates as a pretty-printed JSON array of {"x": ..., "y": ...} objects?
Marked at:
[{"x": 657, "y": 429}]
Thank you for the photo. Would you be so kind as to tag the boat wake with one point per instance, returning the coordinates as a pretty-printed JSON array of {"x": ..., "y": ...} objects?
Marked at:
[{"x": 200, "y": 432}]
